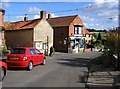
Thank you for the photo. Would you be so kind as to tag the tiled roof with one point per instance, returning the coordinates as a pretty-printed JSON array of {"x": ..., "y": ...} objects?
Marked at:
[
  {"x": 85, "y": 31},
  {"x": 21, "y": 24},
  {"x": 65, "y": 21},
  {"x": 61, "y": 21}
]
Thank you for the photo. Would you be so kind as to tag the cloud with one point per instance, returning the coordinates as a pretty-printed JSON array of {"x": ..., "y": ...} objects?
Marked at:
[
  {"x": 108, "y": 14},
  {"x": 100, "y": 5},
  {"x": 86, "y": 19},
  {"x": 53, "y": 15},
  {"x": 33, "y": 10},
  {"x": 36, "y": 16},
  {"x": 96, "y": 26},
  {"x": 20, "y": 17},
  {"x": 5, "y": 3},
  {"x": 104, "y": 1}
]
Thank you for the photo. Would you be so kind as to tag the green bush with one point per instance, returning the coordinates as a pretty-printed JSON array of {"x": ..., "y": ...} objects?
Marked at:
[{"x": 5, "y": 50}]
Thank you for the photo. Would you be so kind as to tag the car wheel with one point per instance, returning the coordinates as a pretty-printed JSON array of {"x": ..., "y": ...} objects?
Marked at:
[
  {"x": 30, "y": 66},
  {"x": 2, "y": 73},
  {"x": 44, "y": 62}
]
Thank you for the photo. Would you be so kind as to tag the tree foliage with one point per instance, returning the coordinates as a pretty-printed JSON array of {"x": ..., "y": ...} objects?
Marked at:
[
  {"x": 93, "y": 30},
  {"x": 99, "y": 37},
  {"x": 113, "y": 41}
]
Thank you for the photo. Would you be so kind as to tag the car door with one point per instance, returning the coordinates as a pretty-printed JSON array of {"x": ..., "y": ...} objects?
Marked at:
[
  {"x": 39, "y": 56},
  {"x": 33, "y": 56}
]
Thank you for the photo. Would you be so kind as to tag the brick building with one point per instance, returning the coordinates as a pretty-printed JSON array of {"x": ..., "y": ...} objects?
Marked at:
[
  {"x": 2, "y": 39},
  {"x": 30, "y": 33},
  {"x": 69, "y": 33}
]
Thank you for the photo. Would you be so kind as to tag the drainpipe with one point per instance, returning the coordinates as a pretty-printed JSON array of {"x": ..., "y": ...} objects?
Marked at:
[{"x": 47, "y": 45}]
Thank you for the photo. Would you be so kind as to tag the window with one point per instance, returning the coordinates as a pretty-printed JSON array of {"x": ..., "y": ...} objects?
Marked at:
[
  {"x": 78, "y": 30},
  {"x": 89, "y": 35},
  {"x": 37, "y": 51},
  {"x": 39, "y": 45},
  {"x": 32, "y": 52},
  {"x": 45, "y": 45},
  {"x": 18, "y": 51}
]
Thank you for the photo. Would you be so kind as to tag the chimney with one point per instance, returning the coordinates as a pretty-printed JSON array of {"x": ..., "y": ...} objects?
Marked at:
[
  {"x": 43, "y": 15},
  {"x": 49, "y": 16},
  {"x": 26, "y": 17},
  {"x": 2, "y": 12}
]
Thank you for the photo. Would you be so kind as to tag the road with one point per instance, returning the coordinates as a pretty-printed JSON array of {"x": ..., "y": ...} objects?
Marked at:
[{"x": 61, "y": 70}]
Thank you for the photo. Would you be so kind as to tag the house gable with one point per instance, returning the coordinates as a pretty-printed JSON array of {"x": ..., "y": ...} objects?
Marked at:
[
  {"x": 76, "y": 22},
  {"x": 42, "y": 30}
]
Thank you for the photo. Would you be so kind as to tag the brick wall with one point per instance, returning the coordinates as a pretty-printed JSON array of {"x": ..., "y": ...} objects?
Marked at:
[
  {"x": 77, "y": 21},
  {"x": 60, "y": 35},
  {"x": 1, "y": 19},
  {"x": 21, "y": 38}
]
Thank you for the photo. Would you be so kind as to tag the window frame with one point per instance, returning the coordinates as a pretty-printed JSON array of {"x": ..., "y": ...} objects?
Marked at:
[{"x": 77, "y": 29}]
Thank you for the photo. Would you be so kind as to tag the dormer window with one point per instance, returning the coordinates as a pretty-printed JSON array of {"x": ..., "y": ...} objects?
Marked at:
[{"x": 78, "y": 30}]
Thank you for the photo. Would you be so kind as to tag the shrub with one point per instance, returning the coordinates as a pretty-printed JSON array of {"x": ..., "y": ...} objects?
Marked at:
[{"x": 5, "y": 50}]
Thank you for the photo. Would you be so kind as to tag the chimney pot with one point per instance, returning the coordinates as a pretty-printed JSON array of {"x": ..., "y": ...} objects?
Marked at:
[
  {"x": 43, "y": 15},
  {"x": 26, "y": 17},
  {"x": 49, "y": 16}
]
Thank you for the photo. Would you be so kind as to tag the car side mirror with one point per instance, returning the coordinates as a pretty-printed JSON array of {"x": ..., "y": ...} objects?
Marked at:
[{"x": 41, "y": 53}]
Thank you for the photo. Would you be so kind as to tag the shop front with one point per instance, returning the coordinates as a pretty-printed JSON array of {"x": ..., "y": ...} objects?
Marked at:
[{"x": 76, "y": 44}]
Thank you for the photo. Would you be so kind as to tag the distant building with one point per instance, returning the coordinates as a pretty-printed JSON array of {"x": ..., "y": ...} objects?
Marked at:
[
  {"x": 69, "y": 33},
  {"x": 88, "y": 35},
  {"x": 30, "y": 33}
]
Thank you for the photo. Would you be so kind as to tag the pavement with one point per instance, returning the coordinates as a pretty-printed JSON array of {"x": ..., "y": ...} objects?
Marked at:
[{"x": 103, "y": 77}]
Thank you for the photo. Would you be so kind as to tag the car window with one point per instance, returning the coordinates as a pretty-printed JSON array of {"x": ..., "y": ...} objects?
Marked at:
[
  {"x": 32, "y": 52},
  {"x": 18, "y": 51},
  {"x": 37, "y": 51}
]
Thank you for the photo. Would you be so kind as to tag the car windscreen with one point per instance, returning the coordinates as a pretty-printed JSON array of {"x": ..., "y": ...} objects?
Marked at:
[{"x": 18, "y": 51}]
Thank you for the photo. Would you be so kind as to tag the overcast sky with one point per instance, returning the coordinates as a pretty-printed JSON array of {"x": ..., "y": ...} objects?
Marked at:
[{"x": 95, "y": 14}]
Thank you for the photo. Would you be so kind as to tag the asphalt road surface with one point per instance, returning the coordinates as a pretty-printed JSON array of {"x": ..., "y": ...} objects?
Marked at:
[{"x": 61, "y": 70}]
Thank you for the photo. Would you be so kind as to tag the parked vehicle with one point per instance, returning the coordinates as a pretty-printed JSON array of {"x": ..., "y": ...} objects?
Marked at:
[
  {"x": 25, "y": 57},
  {"x": 3, "y": 70}
]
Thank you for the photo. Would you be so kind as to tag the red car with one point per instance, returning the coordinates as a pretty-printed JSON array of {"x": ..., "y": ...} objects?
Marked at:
[
  {"x": 25, "y": 58},
  {"x": 3, "y": 70}
]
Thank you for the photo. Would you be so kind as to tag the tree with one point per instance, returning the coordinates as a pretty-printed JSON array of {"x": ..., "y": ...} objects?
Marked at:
[
  {"x": 113, "y": 43},
  {"x": 99, "y": 37}
]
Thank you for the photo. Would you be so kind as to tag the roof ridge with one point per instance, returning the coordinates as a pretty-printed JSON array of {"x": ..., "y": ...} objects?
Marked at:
[
  {"x": 24, "y": 21},
  {"x": 64, "y": 16}
]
